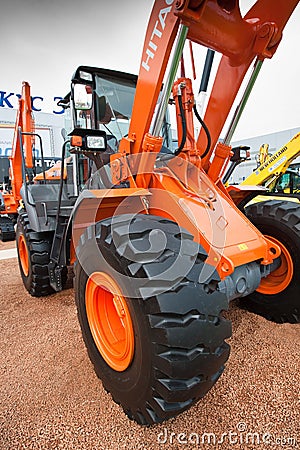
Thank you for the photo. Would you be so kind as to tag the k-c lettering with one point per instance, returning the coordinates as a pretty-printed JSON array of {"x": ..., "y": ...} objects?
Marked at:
[
  {"x": 4, "y": 99},
  {"x": 33, "y": 99}
]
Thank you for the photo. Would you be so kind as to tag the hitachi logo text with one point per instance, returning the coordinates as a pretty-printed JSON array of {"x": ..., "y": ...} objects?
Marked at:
[{"x": 156, "y": 34}]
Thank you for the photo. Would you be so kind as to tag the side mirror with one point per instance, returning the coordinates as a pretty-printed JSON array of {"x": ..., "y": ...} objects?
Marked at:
[{"x": 83, "y": 97}]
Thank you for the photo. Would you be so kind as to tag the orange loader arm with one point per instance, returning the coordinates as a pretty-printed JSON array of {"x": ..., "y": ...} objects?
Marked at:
[
  {"x": 22, "y": 143},
  {"x": 217, "y": 25},
  {"x": 263, "y": 25}
]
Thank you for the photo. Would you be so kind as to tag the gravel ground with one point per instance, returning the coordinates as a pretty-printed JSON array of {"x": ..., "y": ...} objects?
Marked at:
[
  {"x": 51, "y": 399},
  {"x": 7, "y": 245}
]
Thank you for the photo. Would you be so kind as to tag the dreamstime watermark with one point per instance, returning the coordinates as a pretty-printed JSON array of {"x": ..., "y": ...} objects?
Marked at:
[{"x": 241, "y": 435}]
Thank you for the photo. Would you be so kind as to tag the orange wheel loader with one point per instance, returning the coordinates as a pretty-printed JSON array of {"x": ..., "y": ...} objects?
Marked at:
[{"x": 158, "y": 246}]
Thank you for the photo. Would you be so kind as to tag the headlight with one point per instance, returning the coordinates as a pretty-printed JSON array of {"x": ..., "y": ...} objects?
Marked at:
[
  {"x": 85, "y": 75},
  {"x": 95, "y": 142}
]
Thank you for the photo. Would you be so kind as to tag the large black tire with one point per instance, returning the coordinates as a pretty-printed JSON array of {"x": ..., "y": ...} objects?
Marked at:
[
  {"x": 36, "y": 249},
  {"x": 179, "y": 331},
  {"x": 279, "y": 220}
]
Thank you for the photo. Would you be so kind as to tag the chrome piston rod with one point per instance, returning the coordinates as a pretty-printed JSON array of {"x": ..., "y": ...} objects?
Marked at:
[
  {"x": 240, "y": 108},
  {"x": 166, "y": 93}
]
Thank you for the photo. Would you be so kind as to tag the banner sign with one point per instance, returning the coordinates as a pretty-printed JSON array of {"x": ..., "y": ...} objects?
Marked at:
[{"x": 10, "y": 100}]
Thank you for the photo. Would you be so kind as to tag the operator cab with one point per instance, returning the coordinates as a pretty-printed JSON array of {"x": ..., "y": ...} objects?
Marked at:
[
  {"x": 287, "y": 183},
  {"x": 98, "y": 113},
  {"x": 99, "y": 109},
  {"x": 101, "y": 105}
]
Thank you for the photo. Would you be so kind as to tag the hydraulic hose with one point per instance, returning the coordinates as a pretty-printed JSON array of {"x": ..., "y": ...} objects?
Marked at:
[
  {"x": 206, "y": 132},
  {"x": 183, "y": 124}
]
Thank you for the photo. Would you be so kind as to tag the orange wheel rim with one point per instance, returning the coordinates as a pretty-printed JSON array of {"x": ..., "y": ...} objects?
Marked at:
[
  {"x": 279, "y": 279},
  {"x": 109, "y": 320},
  {"x": 23, "y": 255}
]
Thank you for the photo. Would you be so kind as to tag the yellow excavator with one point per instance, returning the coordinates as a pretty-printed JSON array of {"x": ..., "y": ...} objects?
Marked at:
[{"x": 273, "y": 172}]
